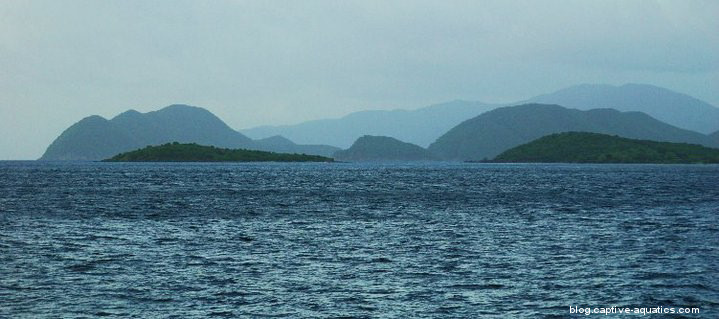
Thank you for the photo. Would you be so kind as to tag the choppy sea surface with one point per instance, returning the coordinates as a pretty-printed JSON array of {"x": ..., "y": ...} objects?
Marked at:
[{"x": 426, "y": 240}]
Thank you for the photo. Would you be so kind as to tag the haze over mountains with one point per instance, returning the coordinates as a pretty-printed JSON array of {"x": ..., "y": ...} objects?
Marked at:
[
  {"x": 493, "y": 132},
  {"x": 674, "y": 108},
  {"x": 423, "y": 126},
  {"x": 96, "y": 138},
  {"x": 457, "y": 130}
]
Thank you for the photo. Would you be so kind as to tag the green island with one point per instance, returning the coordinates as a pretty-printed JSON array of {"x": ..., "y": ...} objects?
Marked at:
[
  {"x": 191, "y": 152},
  {"x": 582, "y": 147}
]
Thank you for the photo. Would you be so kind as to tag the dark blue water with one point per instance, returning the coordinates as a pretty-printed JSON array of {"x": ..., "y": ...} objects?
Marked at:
[{"x": 351, "y": 240}]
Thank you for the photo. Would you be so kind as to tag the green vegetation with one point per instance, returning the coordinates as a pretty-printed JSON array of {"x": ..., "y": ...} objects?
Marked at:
[
  {"x": 582, "y": 147},
  {"x": 176, "y": 152}
]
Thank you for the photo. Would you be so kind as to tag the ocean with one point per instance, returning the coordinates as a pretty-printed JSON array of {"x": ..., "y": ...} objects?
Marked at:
[{"x": 356, "y": 240}]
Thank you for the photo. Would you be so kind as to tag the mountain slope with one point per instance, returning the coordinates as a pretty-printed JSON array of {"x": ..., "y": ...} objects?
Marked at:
[
  {"x": 493, "y": 132},
  {"x": 424, "y": 125},
  {"x": 89, "y": 139},
  {"x": 281, "y": 144},
  {"x": 674, "y": 108},
  {"x": 383, "y": 148},
  {"x": 714, "y": 137},
  {"x": 582, "y": 147},
  {"x": 95, "y": 138},
  {"x": 419, "y": 127},
  {"x": 181, "y": 123}
]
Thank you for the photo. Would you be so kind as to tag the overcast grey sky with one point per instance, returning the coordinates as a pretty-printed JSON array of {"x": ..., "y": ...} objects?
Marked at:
[{"x": 281, "y": 62}]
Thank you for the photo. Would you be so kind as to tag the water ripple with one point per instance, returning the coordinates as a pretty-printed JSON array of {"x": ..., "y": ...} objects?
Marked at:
[{"x": 355, "y": 240}]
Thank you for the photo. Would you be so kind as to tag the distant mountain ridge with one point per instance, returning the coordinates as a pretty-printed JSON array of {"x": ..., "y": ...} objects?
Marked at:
[
  {"x": 383, "y": 148},
  {"x": 489, "y": 134},
  {"x": 421, "y": 126},
  {"x": 280, "y": 144},
  {"x": 671, "y": 107},
  {"x": 96, "y": 138}
]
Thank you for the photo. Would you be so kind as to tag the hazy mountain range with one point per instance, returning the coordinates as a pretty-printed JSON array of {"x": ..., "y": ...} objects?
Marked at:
[
  {"x": 674, "y": 108},
  {"x": 458, "y": 130},
  {"x": 419, "y": 127},
  {"x": 489, "y": 134},
  {"x": 423, "y": 126},
  {"x": 96, "y": 138}
]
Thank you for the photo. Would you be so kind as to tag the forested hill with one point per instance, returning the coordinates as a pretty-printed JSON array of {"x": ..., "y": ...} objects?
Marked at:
[
  {"x": 176, "y": 152},
  {"x": 583, "y": 147}
]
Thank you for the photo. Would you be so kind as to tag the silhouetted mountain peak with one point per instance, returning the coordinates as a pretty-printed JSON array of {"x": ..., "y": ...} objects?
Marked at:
[
  {"x": 185, "y": 111},
  {"x": 90, "y": 138},
  {"x": 383, "y": 148},
  {"x": 371, "y": 139},
  {"x": 129, "y": 115},
  {"x": 92, "y": 119},
  {"x": 674, "y": 108},
  {"x": 95, "y": 138},
  {"x": 181, "y": 107}
]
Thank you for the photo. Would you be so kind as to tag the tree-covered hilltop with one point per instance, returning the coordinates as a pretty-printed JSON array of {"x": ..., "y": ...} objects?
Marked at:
[
  {"x": 176, "y": 152},
  {"x": 582, "y": 147}
]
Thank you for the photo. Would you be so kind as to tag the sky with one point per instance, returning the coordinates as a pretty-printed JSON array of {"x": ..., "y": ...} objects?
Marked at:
[{"x": 282, "y": 62}]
